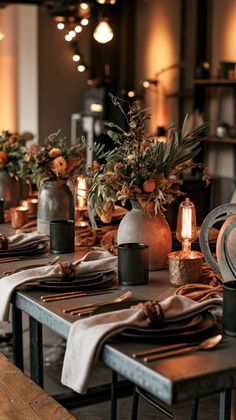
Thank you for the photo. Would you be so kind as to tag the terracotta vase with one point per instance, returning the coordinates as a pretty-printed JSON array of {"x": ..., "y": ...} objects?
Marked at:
[
  {"x": 136, "y": 226},
  {"x": 9, "y": 189},
  {"x": 55, "y": 202}
]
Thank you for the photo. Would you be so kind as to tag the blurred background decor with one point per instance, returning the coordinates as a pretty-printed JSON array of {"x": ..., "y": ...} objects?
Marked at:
[{"x": 53, "y": 170}]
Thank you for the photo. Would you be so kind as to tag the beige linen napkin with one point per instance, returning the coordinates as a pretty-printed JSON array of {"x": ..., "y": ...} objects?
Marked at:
[
  {"x": 92, "y": 262},
  {"x": 21, "y": 240},
  {"x": 87, "y": 336}
]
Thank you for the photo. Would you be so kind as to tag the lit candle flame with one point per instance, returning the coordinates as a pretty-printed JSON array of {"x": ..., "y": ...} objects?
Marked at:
[{"x": 81, "y": 191}]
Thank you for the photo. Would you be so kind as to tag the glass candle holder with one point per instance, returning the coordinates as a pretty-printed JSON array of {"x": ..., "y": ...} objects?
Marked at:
[{"x": 19, "y": 216}]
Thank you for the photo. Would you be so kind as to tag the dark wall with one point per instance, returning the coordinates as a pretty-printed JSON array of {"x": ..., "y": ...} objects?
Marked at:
[{"x": 61, "y": 86}]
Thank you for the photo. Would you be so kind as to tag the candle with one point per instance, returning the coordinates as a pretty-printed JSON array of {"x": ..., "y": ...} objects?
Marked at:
[
  {"x": 19, "y": 216},
  {"x": 81, "y": 192},
  {"x": 31, "y": 204}
]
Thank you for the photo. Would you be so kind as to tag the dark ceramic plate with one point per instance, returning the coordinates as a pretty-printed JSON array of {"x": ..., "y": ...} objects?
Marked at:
[
  {"x": 37, "y": 248},
  {"x": 77, "y": 284},
  {"x": 185, "y": 330}
]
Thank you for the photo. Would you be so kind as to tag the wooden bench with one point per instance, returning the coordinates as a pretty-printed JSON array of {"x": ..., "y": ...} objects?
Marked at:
[{"x": 22, "y": 399}]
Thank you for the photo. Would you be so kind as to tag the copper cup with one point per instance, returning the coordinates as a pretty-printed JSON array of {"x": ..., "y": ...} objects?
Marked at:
[{"x": 19, "y": 216}]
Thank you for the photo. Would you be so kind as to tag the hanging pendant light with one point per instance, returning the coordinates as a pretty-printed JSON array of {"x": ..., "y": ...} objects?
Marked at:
[{"x": 103, "y": 32}]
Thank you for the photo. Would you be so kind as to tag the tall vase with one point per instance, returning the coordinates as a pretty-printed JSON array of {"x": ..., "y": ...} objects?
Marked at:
[
  {"x": 137, "y": 226},
  {"x": 9, "y": 189},
  {"x": 55, "y": 202}
]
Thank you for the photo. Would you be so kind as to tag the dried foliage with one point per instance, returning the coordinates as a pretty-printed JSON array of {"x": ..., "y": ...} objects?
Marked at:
[
  {"x": 55, "y": 160},
  {"x": 14, "y": 156},
  {"x": 140, "y": 167}
]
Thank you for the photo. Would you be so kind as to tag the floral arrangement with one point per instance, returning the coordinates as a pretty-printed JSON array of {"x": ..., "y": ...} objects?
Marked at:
[
  {"x": 14, "y": 155},
  {"x": 55, "y": 160},
  {"x": 140, "y": 167}
]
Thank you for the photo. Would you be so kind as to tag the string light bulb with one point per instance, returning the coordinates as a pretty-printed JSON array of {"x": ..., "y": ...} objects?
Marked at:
[
  {"x": 76, "y": 58},
  {"x": 103, "y": 32},
  {"x": 60, "y": 26},
  {"x": 186, "y": 230},
  {"x": 81, "y": 68}
]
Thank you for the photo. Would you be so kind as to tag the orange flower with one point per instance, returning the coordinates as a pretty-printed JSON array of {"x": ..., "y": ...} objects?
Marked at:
[
  {"x": 3, "y": 159},
  {"x": 54, "y": 152},
  {"x": 59, "y": 165},
  {"x": 149, "y": 186}
]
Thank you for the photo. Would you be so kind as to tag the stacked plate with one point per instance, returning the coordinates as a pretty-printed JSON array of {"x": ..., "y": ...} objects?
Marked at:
[
  {"x": 187, "y": 330},
  {"x": 29, "y": 249},
  {"x": 86, "y": 281}
]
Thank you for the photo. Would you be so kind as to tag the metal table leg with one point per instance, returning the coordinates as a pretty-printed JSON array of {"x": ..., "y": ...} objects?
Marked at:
[
  {"x": 114, "y": 395},
  {"x": 225, "y": 405},
  {"x": 36, "y": 351},
  {"x": 17, "y": 337}
]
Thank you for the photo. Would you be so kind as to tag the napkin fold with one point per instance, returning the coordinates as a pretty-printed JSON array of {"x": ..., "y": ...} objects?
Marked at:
[
  {"x": 21, "y": 240},
  {"x": 92, "y": 262},
  {"x": 87, "y": 336}
]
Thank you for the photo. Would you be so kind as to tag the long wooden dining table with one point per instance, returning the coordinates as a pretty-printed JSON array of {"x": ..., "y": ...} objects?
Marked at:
[{"x": 172, "y": 380}]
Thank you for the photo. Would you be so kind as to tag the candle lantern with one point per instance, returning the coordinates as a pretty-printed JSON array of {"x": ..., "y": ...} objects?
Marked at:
[
  {"x": 19, "y": 216},
  {"x": 185, "y": 265}
]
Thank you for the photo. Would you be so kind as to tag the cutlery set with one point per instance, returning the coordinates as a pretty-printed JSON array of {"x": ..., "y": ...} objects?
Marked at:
[
  {"x": 89, "y": 308},
  {"x": 71, "y": 295},
  {"x": 177, "y": 349},
  {"x": 27, "y": 267}
]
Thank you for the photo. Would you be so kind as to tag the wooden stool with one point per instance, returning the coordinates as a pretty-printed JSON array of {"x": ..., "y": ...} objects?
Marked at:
[{"x": 21, "y": 398}]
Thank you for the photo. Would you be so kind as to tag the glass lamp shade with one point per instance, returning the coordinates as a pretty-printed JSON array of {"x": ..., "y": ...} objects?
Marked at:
[{"x": 103, "y": 32}]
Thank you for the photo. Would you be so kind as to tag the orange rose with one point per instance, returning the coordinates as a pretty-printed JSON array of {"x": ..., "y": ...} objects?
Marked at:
[
  {"x": 54, "y": 152},
  {"x": 59, "y": 165},
  {"x": 96, "y": 165},
  {"x": 149, "y": 186},
  {"x": 3, "y": 158}
]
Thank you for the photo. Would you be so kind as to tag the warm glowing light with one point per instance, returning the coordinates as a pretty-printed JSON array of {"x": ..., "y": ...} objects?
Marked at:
[
  {"x": 131, "y": 94},
  {"x": 103, "y": 32},
  {"x": 84, "y": 6},
  {"x": 81, "y": 68},
  {"x": 60, "y": 26},
  {"x": 68, "y": 38},
  {"x": 146, "y": 84},
  {"x": 106, "y": 1},
  {"x": 84, "y": 21},
  {"x": 186, "y": 230},
  {"x": 78, "y": 29},
  {"x": 81, "y": 192},
  {"x": 76, "y": 58},
  {"x": 96, "y": 107},
  {"x": 72, "y": 34}
]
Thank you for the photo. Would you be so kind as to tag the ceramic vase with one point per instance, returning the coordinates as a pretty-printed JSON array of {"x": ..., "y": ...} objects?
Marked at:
[
  {"x": 9, "y": 189},
  {"x": 55, "y": 202},
  {"x": 151, "y": 229}
]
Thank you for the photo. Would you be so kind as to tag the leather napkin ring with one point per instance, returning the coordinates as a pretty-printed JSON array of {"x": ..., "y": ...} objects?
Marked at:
[
  {"x": 68, "y": 271},
  {"x": 3, "y": 242},
  {"x": 153, "y": 310}
]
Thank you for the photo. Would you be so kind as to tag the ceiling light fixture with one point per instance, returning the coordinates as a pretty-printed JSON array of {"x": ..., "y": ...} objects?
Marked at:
[{"x": 103, "y": 32}]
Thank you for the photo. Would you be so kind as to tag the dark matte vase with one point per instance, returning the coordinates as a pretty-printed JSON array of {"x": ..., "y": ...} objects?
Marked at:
[{"x": 55, "y": 202}]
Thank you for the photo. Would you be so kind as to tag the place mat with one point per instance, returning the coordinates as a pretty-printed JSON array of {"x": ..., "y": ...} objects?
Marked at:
[
  {"x": 83, "y": 283},
  {"x": 35, "y": 248}
]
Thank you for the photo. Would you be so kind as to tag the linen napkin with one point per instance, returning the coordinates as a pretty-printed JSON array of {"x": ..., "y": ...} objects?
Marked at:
[
  {"x": 87, "y": 336},
  {"x": 92, "y": 262},
  {"x": 22, "y": 240}
]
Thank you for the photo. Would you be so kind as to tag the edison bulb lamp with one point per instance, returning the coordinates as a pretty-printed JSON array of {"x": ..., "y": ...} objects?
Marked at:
[
  {"x": 103, "y": 32},
  {"x": 186, "y": 230}
]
